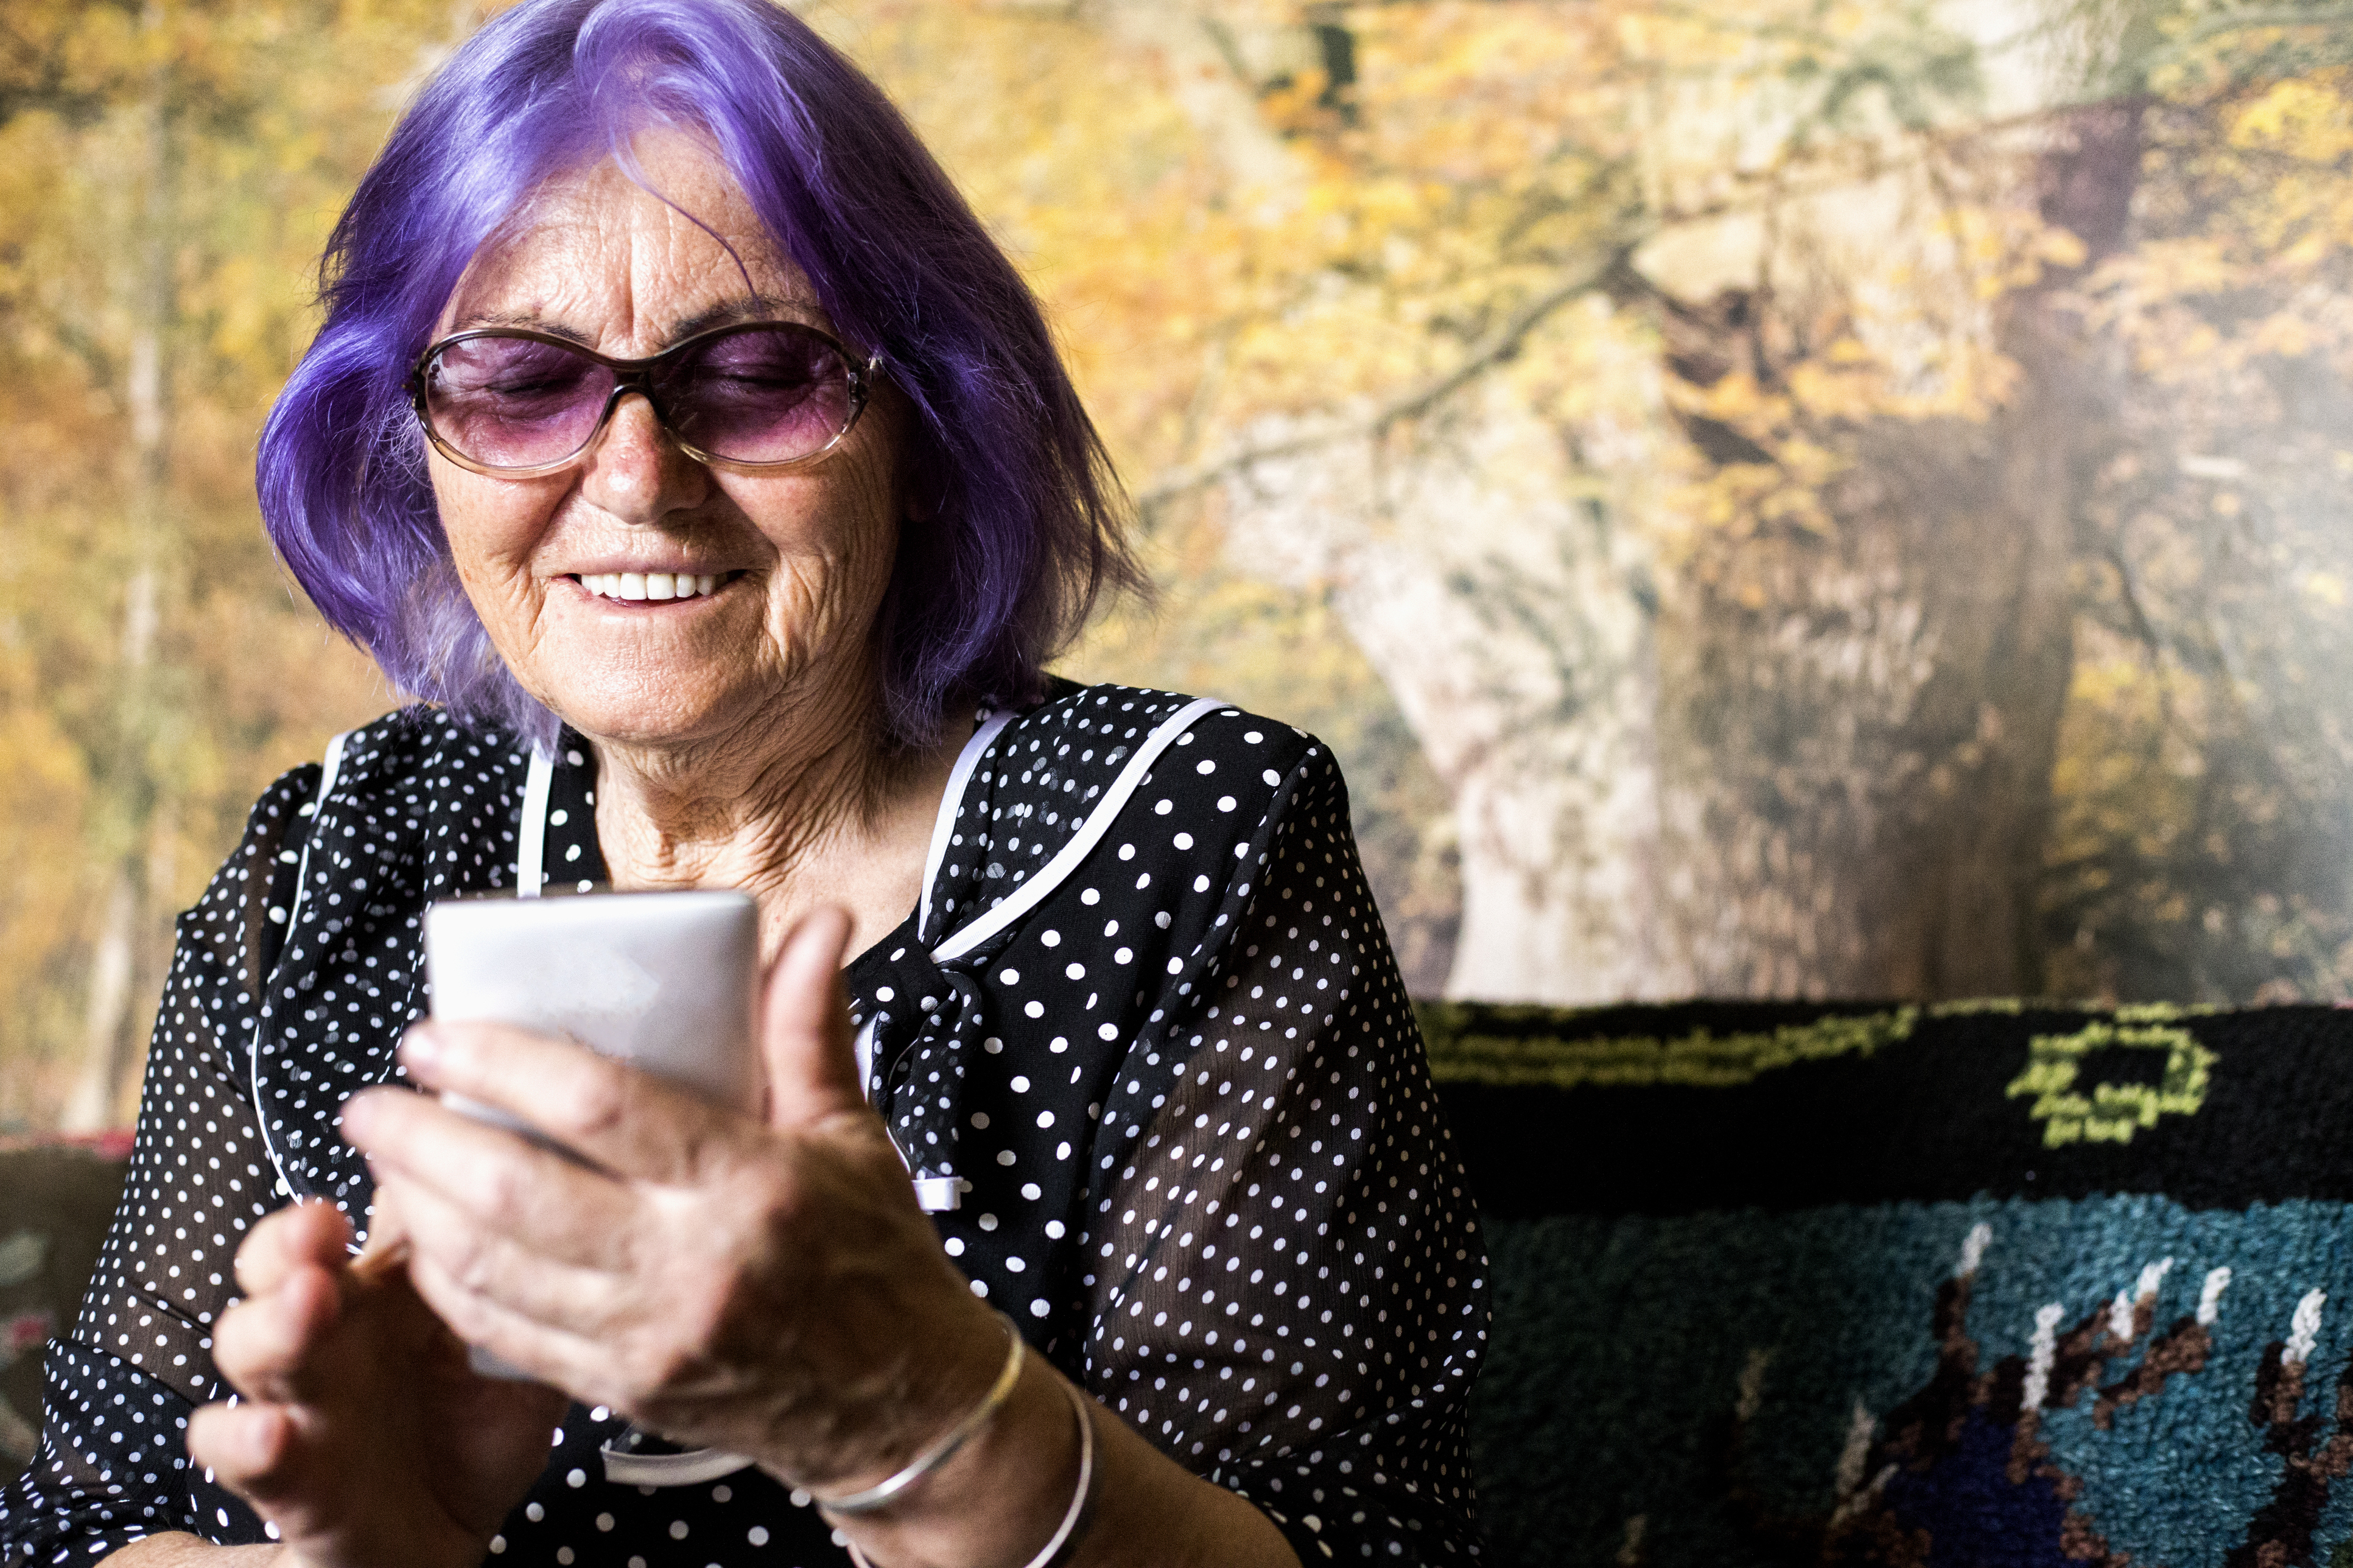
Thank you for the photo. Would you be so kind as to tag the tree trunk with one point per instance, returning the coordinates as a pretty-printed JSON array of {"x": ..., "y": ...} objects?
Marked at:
[
  {"x": 1810, "y": 763},
  {"x": 1511, "y": 621},
  {"x": 104, "y": 1083},
  {"x": 1823, "y": 766},
  {"x": 1859, "y": 766},
  {"x": 1858, "y": 771}
]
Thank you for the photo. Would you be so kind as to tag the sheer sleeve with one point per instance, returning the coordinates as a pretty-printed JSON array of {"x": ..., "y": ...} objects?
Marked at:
[
  {"x": 1289, "y": 1292},
  {"x": 113, "y": 1465}
]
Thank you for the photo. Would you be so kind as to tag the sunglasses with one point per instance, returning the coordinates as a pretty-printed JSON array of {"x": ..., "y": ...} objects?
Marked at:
[{"x": 512, "y": 403}]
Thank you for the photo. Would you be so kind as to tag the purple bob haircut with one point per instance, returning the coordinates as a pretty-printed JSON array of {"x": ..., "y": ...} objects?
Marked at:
[{"x": 987, "y": 587}]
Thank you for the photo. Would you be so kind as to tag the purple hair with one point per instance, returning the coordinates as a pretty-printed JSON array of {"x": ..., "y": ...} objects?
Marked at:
[{"x": 1025, "y": 534}]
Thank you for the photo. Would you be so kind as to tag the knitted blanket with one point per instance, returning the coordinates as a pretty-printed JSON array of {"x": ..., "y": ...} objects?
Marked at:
[{"x": 1985, "y": 1284}]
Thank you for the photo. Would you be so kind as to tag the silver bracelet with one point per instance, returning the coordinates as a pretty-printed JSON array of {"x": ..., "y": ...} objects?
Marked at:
[
  {"x": 1082, "y": 1496},
  {"x": 886, "y": 1492}
]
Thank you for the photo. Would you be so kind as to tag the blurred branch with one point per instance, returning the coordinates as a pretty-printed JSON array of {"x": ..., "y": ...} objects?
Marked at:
[
  {"x": 2246, "y": 21},
  {"x": 1414, "y": 402},
  {"x": 34, "y": 76},
  {"x": 2266, "y": 16}
]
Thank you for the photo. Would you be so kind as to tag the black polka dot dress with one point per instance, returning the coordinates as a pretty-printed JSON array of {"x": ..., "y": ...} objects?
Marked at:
[{"x": 1143, "y": 1044}]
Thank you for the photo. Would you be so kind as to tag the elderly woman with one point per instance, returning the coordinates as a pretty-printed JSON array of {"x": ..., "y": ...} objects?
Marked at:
[{"x": 679, "y": 435}]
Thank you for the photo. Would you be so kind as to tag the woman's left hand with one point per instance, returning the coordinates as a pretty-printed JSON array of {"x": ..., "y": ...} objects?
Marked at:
[{"x": 766, "y": 1287}]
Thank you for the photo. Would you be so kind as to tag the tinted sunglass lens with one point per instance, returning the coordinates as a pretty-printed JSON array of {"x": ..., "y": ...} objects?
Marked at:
[
  {"x": 766, "y": 395},
  {"x": 513, "y": 403}
]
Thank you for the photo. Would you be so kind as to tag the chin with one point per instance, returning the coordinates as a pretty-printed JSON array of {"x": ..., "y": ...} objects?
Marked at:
[{"x": 642, "y": 718}]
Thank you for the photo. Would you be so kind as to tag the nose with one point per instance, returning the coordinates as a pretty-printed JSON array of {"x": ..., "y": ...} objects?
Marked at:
[{"x": 636, "y": 472}]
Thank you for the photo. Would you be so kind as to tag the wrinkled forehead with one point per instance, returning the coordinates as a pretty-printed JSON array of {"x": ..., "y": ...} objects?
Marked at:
[{"x": 629, "y": 260}]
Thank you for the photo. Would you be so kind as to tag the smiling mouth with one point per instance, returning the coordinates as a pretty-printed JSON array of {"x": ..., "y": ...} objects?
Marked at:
[{"x": 638, "y": 587}]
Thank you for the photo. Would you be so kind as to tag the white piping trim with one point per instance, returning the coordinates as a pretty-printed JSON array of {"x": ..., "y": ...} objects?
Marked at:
[
  {"x": 952, "y": 802},
  {"x": 329, "y": 766},
  {"x": 1067, "y": 859},
  {"x": 691, "y": 1468},
  {"x": 531, "y": 827},
  {"x": 862, "y": 1045}
]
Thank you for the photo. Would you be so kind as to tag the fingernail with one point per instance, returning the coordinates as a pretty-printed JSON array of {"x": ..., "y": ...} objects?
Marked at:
[{"x": 420, "y": 1048}]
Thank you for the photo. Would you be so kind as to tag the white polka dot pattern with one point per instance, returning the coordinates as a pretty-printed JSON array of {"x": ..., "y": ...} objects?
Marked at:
[{"x": 1184, "y": 1095}]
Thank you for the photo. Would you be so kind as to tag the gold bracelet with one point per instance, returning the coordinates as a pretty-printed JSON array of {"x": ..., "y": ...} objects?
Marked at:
[{"x": 887, "y": 1492}]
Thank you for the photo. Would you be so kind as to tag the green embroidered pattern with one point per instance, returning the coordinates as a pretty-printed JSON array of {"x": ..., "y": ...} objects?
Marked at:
[
  {"x": 2126, "y": 1012},
  {"x": 1700, "y": 1060},
  {"x": 2110, "y": 1112},
  {"x": 1522, "y": 1044}
]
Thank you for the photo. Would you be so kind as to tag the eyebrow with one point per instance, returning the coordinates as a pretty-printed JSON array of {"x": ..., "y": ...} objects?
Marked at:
[
  {"x": 522, "y": 319},
  {"x": 726, "y": 314},
  {"x": 723, "y": 314}
]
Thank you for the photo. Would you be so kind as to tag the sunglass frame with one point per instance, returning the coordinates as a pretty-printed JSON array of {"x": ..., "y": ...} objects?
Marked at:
[{"x": 636, "y": 375}]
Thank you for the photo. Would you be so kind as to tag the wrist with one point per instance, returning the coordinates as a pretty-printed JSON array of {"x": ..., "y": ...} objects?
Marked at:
[
  {"x": 940, "y": 1450},
  {"x": 903, "y": 1393},
  {"x": 999, "y": 1499}
]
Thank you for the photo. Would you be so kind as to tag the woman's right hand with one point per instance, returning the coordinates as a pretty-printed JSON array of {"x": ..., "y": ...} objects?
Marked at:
[{"x": 362, "y": 1433}]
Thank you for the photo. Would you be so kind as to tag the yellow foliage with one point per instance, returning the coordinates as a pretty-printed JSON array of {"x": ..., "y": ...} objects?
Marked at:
[
  {"x": 268, "y": 111},
  {"x": 1486, "y": 154},
  {"x": 2303, "y": 117}
]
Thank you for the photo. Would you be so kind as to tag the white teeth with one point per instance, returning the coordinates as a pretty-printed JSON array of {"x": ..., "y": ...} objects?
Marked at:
[{"x": 654, "y": 585}]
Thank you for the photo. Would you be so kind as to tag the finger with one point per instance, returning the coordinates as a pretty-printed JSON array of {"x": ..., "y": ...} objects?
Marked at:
[
  {"x": 312, "y": 1234},
  {"x": 449, "y": 1245},
  {"x": 805, "y": 1027},
  {"x": 245, "y": 1446},
  {"x": 629, "y": 1121},
  {"x": 500, "y": 1180},
  {"x": 269, "y": 1345},
  {"x": 262, "y": 1453},
  {"x": 581, "y": 1366}
]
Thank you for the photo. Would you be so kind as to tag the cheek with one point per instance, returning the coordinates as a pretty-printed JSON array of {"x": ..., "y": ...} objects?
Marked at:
[
  {"x": 835, "y": 544},
  {"x": 492, "y": 526}
]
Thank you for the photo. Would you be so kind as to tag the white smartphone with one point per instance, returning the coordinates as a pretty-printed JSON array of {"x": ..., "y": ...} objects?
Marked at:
[{"x": 666, "y": 982}]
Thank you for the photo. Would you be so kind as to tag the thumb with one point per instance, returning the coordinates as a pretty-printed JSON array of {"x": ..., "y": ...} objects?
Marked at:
[{"x": 805, "y": 1026}]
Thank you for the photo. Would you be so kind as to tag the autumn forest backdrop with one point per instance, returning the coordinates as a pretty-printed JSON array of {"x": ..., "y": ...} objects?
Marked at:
[{"x": 1768, "y": 497}]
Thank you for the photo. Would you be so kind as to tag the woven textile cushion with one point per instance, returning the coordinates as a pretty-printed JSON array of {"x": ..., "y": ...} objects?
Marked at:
[{"x": 1985, "y": 1284}]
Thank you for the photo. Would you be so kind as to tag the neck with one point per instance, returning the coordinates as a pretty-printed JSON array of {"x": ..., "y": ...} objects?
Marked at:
[{"x": 801, "y": 805}]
